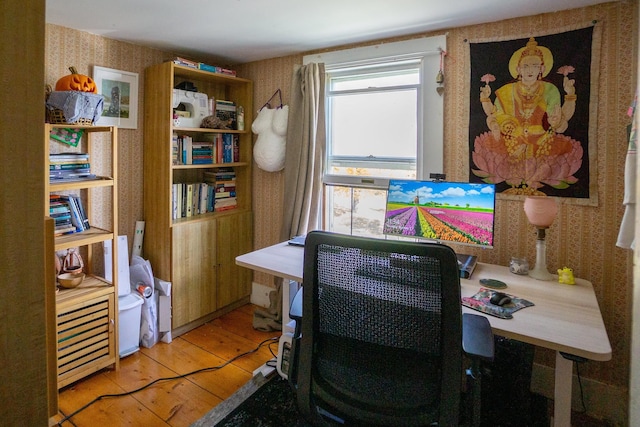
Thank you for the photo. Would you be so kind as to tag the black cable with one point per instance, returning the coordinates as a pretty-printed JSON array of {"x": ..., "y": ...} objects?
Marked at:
[
  {"x": 197, "y": 371},
  {"x": 584, "y": 407},
  {"x": 64, "y": 415}
]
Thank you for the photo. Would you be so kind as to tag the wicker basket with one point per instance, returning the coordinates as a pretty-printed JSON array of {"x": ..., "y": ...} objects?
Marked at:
[{"x": 56, "y": 116}]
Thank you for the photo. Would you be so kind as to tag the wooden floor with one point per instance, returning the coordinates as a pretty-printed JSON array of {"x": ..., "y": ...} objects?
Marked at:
[
  {"x": 180, "y": 402},
  {"x": 176, "y": 402}
]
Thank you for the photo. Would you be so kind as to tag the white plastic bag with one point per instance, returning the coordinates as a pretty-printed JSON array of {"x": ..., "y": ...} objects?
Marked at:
[{"x": 140, "y": 273}]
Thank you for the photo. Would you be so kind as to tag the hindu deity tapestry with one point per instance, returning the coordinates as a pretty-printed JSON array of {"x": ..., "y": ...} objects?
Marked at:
[{"x": 532, "y": 114}]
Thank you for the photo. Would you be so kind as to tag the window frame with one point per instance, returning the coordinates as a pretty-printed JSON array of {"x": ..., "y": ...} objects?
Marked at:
[{"x": 430, "y": 128}]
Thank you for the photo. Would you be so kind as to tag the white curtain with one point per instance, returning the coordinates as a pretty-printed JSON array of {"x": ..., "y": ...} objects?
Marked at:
[
  {"x": 626, "y": 234},
  {"x": 306, "y": 143},
  {"x": 302, "y": 173}
]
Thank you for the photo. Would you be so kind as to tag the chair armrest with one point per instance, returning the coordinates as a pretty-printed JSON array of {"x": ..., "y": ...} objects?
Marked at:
[
  {"x": 477, "y": 337},
  {"x": 295, "y": 311}
]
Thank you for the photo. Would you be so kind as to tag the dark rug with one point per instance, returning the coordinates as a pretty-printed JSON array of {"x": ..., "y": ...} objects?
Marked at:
[
  {"x": 269, "y": 402},
  {"x": 262, "y": 402}
]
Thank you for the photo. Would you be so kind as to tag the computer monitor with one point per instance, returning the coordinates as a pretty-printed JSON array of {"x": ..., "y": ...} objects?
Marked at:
[{"x": 442, "y": 211}]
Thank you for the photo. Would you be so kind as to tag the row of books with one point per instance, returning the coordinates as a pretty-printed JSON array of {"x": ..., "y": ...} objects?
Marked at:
[
  {"x": 216, "y": 193},
  {"x": 205, "y": 67},
  {"x": 68, "y": 214},
  {"x": 223, "y": 149},
  {"x": 69, "y": 167}
]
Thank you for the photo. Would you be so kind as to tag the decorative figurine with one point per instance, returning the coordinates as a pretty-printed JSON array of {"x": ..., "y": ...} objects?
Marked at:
[{"x": 565, "y": 275}]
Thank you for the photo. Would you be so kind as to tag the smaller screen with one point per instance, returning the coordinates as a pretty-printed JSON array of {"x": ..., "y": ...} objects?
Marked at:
[{"x": 458, "y": 212}]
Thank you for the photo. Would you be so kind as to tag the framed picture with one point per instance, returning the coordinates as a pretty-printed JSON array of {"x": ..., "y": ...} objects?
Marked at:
[{"x": 120, "y": 91}]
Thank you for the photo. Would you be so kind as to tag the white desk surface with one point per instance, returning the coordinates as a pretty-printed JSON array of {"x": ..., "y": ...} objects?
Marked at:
[{"x": 565, "y": 318}]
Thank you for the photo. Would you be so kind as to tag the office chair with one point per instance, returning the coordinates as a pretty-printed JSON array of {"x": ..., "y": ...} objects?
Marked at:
[{"x": 378, "y": 338}]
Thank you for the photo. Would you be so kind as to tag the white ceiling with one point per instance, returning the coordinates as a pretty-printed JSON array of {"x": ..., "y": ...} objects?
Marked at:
[{"x": 240, "y": 31}]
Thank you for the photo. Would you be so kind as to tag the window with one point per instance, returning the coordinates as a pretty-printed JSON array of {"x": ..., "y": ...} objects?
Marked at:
[{"x": 384, "y": 120}]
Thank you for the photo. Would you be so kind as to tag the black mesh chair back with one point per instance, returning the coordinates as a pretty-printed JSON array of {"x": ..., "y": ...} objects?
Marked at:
[{"x": 380, "y": 333}]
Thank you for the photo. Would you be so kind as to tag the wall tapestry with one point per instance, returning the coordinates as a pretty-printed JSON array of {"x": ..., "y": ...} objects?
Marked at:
[{"x": 532, "y": 114}]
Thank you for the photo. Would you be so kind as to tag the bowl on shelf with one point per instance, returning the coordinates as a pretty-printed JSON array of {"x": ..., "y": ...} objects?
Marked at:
[{"x": 70, "y": 280}]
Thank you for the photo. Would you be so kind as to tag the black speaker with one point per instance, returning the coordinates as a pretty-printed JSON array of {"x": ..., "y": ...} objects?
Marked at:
[{"x": 507, "y": 400}]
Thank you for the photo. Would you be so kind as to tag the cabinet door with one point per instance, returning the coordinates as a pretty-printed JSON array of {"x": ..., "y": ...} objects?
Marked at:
[
  {"x": 193, "y": 271},
  {"x": 235, "y": 237}
]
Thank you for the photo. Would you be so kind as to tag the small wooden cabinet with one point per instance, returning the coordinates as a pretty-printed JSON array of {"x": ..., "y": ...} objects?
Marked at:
[
  {"x": 87, "y": 316},
  {"x": 195, "y": 253}
]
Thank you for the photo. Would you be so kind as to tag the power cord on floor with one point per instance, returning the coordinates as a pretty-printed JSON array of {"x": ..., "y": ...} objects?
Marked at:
[{"x": 197, "y": 371}]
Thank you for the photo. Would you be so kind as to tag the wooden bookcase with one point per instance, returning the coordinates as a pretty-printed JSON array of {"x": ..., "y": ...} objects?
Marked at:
[
  {"x": 87, "y": 316},
  {"x": 197, "y": 253}
]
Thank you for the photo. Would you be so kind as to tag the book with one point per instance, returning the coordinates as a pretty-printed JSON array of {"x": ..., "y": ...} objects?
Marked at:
[
  {"x": 58, "y": 157},
  {"x": 76, "y": 220},
  {"x": 66, "y": 166},
  {"x": 466, "y": 265},
  {"x": 78, "y": 215},
  {"x": 186, "y": 62},
  {"x": 204, "y": 197},
  {"x": 226, "y": 112},
  {"x": 83, "y": 213},
  {"x": 225, "y": 194},
  {"x": 189, "y": 200},
  {"x": 174, "y": 201}
]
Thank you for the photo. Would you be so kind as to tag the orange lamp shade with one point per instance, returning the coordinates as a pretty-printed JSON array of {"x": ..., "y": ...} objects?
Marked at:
[{"x": 540, "y": 210}]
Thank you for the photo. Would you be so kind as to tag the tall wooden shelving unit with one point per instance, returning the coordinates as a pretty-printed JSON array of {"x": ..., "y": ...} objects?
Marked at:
[
  {"x": 87, "y": 316},
  {"x": 196, "y": 254}
]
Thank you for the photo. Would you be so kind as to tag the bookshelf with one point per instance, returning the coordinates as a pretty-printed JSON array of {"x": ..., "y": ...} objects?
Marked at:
[
  {"x": 86, "y": 316},
  {"x": 195, "y": 252}
]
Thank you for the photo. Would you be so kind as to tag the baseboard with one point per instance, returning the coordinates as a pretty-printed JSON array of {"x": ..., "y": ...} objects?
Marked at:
[
  {"x": 260, "y": 294},
  {"x": 602, "y": 401}
]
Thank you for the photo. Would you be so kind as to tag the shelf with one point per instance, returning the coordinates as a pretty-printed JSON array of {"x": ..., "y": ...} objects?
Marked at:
[
  {"x": 91, "y": 286},
  {"x": 84, "y": 127},
  {"x": 193, "y": 73},
  {"x": 208, "y": 130},
  {"x": 211, "y": 165},
  {"x": 101, "y": 181},
  {"x": 207, "y": 216},
  {"x": 86, "y": 237}
]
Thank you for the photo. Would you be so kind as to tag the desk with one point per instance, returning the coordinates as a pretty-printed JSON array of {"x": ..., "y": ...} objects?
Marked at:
[{"x": 565, "y": 318}]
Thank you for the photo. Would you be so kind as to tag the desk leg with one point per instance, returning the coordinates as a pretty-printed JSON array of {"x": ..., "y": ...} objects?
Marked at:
[
  {"x": 289, "y": 290},
  {"x": 562, "y": 394}
]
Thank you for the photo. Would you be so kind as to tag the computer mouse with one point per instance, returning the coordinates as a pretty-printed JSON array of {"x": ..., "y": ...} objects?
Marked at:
[{"x": 500, "y": 299}]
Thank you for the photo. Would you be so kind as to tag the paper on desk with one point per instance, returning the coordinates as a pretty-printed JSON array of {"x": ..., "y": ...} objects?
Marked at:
[{"x": 480, "y": 302}]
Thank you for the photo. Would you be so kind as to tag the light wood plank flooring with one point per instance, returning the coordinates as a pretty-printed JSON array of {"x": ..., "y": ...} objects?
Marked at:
[{"x": 177, "y": 402}]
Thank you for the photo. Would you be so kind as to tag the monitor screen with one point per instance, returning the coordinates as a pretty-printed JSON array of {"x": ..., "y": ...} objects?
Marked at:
[{"x": 458, "y": 212}]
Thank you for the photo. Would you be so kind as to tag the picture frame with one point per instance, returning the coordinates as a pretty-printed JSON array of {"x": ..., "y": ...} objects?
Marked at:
[{"x": 120, "y": 92}]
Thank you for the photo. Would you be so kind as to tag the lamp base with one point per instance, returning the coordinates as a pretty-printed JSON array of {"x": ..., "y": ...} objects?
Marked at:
[{"x": 540, "y": 271}]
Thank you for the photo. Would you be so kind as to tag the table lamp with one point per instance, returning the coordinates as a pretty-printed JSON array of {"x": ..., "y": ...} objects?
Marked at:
[{"x": 541, "y": 211}]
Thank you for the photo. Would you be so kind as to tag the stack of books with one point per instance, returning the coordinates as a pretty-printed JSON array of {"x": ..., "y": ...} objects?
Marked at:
[
  {"x": 68, "y": 214},
  {"x": 69, "y": 167},
  {"x": 226, "y": 112},
  {"x": 224, "y": 183},
  {"x": 201, "y": 153},
  {"x": 185, "y": 62},
  {"x": 202, "y": 66}
]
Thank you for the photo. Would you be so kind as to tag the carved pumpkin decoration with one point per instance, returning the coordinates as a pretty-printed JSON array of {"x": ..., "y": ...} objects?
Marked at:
[{"x": 77, "y": 82}]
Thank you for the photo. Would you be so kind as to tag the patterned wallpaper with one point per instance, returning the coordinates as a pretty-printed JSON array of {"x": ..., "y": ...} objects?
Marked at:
[{"x": 582, "y": 237}]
